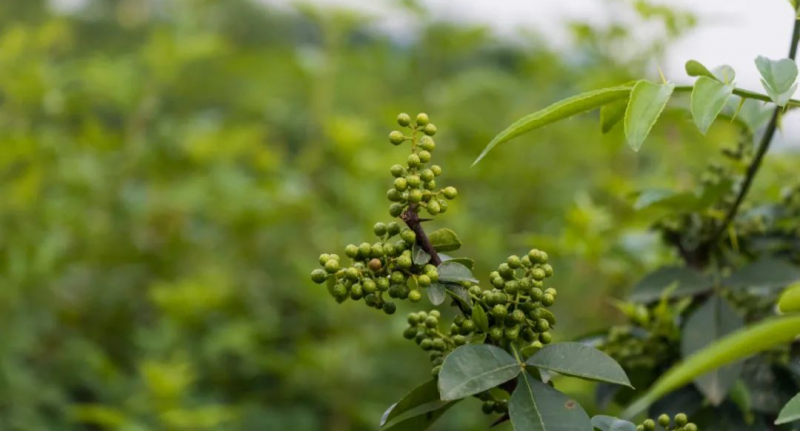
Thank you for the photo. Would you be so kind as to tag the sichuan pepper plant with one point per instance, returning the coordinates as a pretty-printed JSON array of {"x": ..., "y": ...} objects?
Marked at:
[
  {"x": 498, "y": 347},
  {"x": 704, "y": 334}
]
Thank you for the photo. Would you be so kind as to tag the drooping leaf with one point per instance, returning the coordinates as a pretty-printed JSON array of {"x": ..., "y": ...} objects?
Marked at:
[
  {"x": 425, "y": 393},
  {"x": 778, "y": 78},
  {"x": 733, "y": 347},
  {"x": 460, "y": 294},
  {"x": 647, "y": 102},
  {"x": 767, "y": 272},
  {"x": 651, "y": 287},
  {"x": 480, "y": 318},
  {"x": 790, "y": 412},
  {"x": 711, "y": 321},
  {"x": 695, "y": 68},
  {"x": 474, "y": 368},
  {"x": 469, "y": 263},
  {"x": 454, "y": 272},
  {"x": 535, "y": 406},
  {"x": 419, "y": 256},
  {"x": 610, "y": 423},
  {"x": 437, "y": 293},
  {"x": 578, "y": 360},
  {"x": 558, "y": 111},
  {"x": 612, "y": 114},
  {"x": 708, "y": 98},
  {"x": 444, "y": 240},
  {"x": 790, "y": 299}
]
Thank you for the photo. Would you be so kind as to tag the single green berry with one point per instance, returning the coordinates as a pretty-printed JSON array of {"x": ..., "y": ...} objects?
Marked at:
[
  {"x": 538, "y": 274},
  {"x": 511, "y": 287},
  {"x": 433, "y": 275},
  {"x": 351, "y": 251},
  {"x": 496, "y": 334},
  {"x": 551, "y": 291},
  {"x": 398, "y": 277},
  {"x": 410, "y": 333},
  {"x": 437, "y": 170},
  {"x": 512, "y": 333},
  {"x": 404, "y": 120},
  {"x": 414, "y": 181},
  {"x": 431, "y": 322},
  {"x": 459, "y": 340},
  {"x": 414, "y": 296},
  {"x": 505, "y": 271},
  {"x": 394, "y": 195},
  {"x": 438, "y": 344},
  {"x": 499, "y": 311},
  {"x": 404, "y": 262},
  {"x": 396, "y": 137},
  {"x": 426, "y": 175},
  {"x": 422, "y": 119},
  {"x": 426, "y": 344},
  {"x": 396, "y": 209},
  {"x": 429, "y": 129},
  {"x": 450, "y": 192},
  {"x": 498, "y": 282},
  {"x": 433, "y": 208},
  {"x": 514, "y": 262},
  {"x": 649, "y": 425},
  {"x": 500, "y": 297},
  {"x": 427, "y": 143},
  {"x": 413, "y": 319},
  {"x": 639, "y": 427},
  {"x": 400, "y": 184},
  {"x": 435, "y": 313},
  {"x": 526, "y": 261},
  {"x": 423, "y": 280},
  {"x": 424, "y": 156},
  {"x": 352, "y": 274},
  {"x": 415, "y": 196},
  {"x": 467, "y": 327},
  {"x": 537, "y": 256},
  {"x": 681, "y": 419},
  {"x": 430, "y": 185},
  {"x": 393, "y": 228},
  {"x": 529, "y": 336},
  {"x": 389, "y": 307},
  {"x": 379, "y": 229},
  {"x": 377, "y": 250},
  {"x": 408, "y": 236},
  {"x": 690, "y": 427},
  {"x": 364, "y": 250},
  {"x": 518, "y": 316},
  {"x": 319, "y": 276},
  {"x": 545, "y": 337},
  {"x": 383, "y": 284},
  {"x": 663, "y": 420},
  {"x": 542, "y": 325},
  {"x": 398, "y": 171},
  {"x": 356, "y": 291},
  {"x": 331, "y": 266},
  {"x": 548, "y": 270},
  {"x": 323, "y": 258},
  {"x": 339, "y": 290},
  {"x": 369, "y": 286},
  {"x": 548, "y": 300},
  {"x": 413, "y": 161}
]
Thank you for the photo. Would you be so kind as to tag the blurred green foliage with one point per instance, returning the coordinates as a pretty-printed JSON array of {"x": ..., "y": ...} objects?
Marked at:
[{"x": 169, "y": 170}]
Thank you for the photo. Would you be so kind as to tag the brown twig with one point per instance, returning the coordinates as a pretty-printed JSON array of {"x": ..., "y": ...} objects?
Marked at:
[{"x": 414, "y": 223}]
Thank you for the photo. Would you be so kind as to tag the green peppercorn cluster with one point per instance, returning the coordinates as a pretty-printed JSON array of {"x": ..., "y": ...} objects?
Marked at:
[
  {"x": 516, "y": 306},
  {"x": 423, "y": 328},
  {"x": 679, "y": 423},
  {"x": 651, "y": 340},
  {"x": 415, "y": 183},
  {"x": 379, "y": 270}
]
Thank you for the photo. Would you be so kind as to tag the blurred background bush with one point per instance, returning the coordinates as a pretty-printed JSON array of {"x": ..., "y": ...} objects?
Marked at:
[{"x": 170, "y": 171}]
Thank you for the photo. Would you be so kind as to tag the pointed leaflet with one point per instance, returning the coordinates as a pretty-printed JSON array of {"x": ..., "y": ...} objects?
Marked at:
[
  {"x": 777, "y": 78},
  {"x": 535, "y": 406},
  {"x": 767, "y": 272},
  {"x": 738, "y": 345},
  {"x": 419, "y": 256},
  {"x": 472, "y": 368},
  {"x": 444, "y": 240},
  {"x": 647, "y": 102},
  {"x": 578, "y": 360},
  {"x": 790, "y": 412},
  {"x": 708, "y": 98},
  {"x": 454, "y": 272},
  {"x": 695, "y": 68},
  {"x": 480, "y": 318},
  {"x": 558, "y": 111},
  {"x": 609, "y": 423},
  {"x": 724, "y": 74},
  {"x": 422, "y": 395},
  {"x": 469, "y": 263},
  {"x": 790, "y": 299},
  {"x": 611, "y": 114},
  {"x": 713, "y": 320},
  {"x": 436, "y": 293}
]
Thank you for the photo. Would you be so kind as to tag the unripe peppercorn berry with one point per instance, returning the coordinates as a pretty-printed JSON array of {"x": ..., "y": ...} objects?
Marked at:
[
  {"x": 433, "y": 208},
  {"x": 379, "y": 229},
  {"x": 351, "y": 274},
  {"x": 496, "y": 334},
  {"x": 438, "y": 344},
  {"x": 414, "y": 296},
  {"x": 369, "y": 286},
  {"x": 408, "y": 236},
  {"x": 396, "y": 137},
  {"x": 398, "y": 171},
  {"x": 431, "y": 321},
  {"x": 318, "y": 276},
  {"x": 690, "y": 427},
  {"x": 396, "y": 209},
  {"x": 389, "y": 308},
  {"x": 542, "y": 325},
  {"x": 351, "y": 251},
  {"x": 426, "y": 175},
  {"x": 427, "y": 143},
  {"x": 323, "y": 258},
  {"x": 513, "y": 262},
  {"x": 512, "y": 334},
  {"x": 437, "y": 170},
  {"x": 548, "y": 270},
  {"x": 400, "y": 184},
  {"x": 424, "y": 156},
  {"x": 364, "y": 250},
  {"x": 404, "y": 120},
  {"x": 430, "y": 185},
  {"x": 356, "y": 291},
  {"x": 415, "y": 196},
  {"x": 393, "y": 228},
  {"x": 414, "y": 181},
  {"x": 545, "y": 337},
  {"x": 413, "y": 161},
  {"x": 383, "y": 284},
  {"x": 459, "y": 340},
  {"x": 404, "y": 262},
  {"x": 663, "y": 420},
  {"x": 423, "y": 280},
  {"x": 649, "y": 425},
  {"x": 681, "y": 419},
  {"x": 429, "y": 129},
  {"x": 505, "y": 271},
  {"x": 398, "y": 277},
  {"x": 538, "y": 274},
  {"x": 426, "y": 344},
  {"x": 468, "y": 326},
  {"x": 331, "y": 266},
  {"x": 518, "y": 316},
  {"x": 435, "y": 313},
  {"x": 450, "y": 192},
  {"x": 394, "y": 195},
  {"x": 422, "y": 119},
  {"x": 499, "y": 311},
  {"x": 548, "y": 300}
]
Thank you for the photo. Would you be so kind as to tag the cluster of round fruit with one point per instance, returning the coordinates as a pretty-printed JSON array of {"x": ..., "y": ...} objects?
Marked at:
[
  {"x": 383, "y": 267},
  {"x": 679, "y": 423},
  {"x": 517, "y": 305},
  {"x": 652, "y": 339},
  {"x": 415, "y": 184},
  {"x": 423, "y": 328}
]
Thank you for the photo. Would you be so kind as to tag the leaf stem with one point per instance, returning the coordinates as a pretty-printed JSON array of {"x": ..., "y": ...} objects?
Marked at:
[
  {"x": 744, "y": 94},
  {"x": 763, "y": 147}
]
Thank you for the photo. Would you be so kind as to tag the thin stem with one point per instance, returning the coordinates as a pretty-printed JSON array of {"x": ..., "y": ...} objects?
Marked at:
[
  {"x": 745, "y": 94},
  {"x": 763, "y": 147}
]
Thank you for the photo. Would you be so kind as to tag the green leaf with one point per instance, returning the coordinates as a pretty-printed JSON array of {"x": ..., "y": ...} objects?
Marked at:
[
  {"x": 419, "y": 256},
  {"x": 724, "y": 74},
  {"x": 578, "y": 360},
  {"x": 711, "y": 321},
  {"x": 474, "y": 368},
  {"x": 790, "y": 412},
  {"x": 460, "y": 294},
  {"x": 651, "y": 287},
  {"x": 444, "y": 240},
  {"x": 767, "y": 272},
  {"x": 667, "y": 199},
  {"x": 469, "y": 263},
  {"x": 695, "y": 68},
  {"x": 423, "y": 394},
  {"x": 558, "y": 111},
  {"x": 609, "y": 423},
  {"x": 477, "y": 338},
  {"x": 480, "y": 318},
  {"x": 647, "y": 102},
  {"x": 708, "y": 98},
  {"x": 535, "y": 406},
  {"x": 777, "y": 78},
  {"x": 611, "y": 114},
  {"x": 419, "y": 418},
  {"x": 454, "y": 272},
  {"x": 436, "y": 293},
  {"x": 733, "y": 347},
  {"x": 790, "y": 299}
]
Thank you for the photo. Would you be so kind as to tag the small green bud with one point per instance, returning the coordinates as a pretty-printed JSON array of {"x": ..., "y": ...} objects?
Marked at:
[
  {"x": 429, "y": 129},
  {"x": 551, "y": 291},
  {"x": 331, "y": 266},
  {"x": 396, "y": 209},
  {"x": 518, "y": 316},
  {"x": 511, "y": 287},
  {"x": 389, "y": 307},
  {"x": 423, "y": 280},
  {"x": 512, "y": 334},
  {"x": 393, "y": 228},
  {"x": 538, "y": 274},
  {"x": 437, "y": 170},
  {"x": 339, "y": 290},
  {"x": 498, "y": 282},
  {"x": 433, "y": 275},
  {"x": 404, "y": 120},
  {"x": 427, "y": 143},
  {"x": 537, "y": 256},
  {"x": 318, "y": 276},
  {"x": 400, "y": 184},
  {"x": 398, "y": 171},
  {"x": 424, "y": 156},
  {"x": 526, "y": 261},
  {"x": 422, "y": 119},
  {"x": 414, "y": 296},
  {"x": 413, "y": 161},
  {"x": 548, "y": 300},
  {"x": 408, "y": 236},
  {"x": 663, "y": 420},
  {"x": 500, "y": 297},
  {"x": 413, "y": 319},
  {"x": 450, "y": 192},
  {"x": 396, "y": 137},
  {"x": 639, "y": 427}
]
